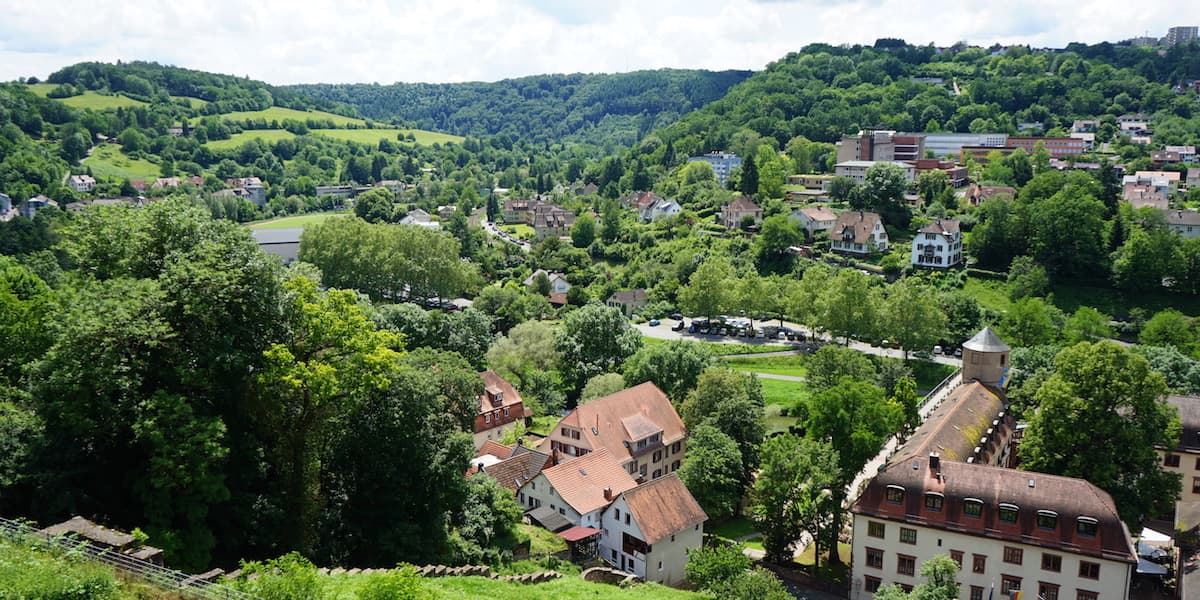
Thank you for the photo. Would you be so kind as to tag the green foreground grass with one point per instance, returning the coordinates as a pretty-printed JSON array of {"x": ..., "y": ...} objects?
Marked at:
[
  {"x": 569, "y": 587},
  {"x": 108, "y": 161},
  {"x": 29, "y": 570},
  {"x": 726, "y": 349},
  {"x": 296, "y": 221}
]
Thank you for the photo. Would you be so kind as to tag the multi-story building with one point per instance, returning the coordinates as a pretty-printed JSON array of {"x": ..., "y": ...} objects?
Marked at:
[
  {"x": 1193, "y": 178},
  {"x": 857, "y": 169},
  {"x": 957, "y": 175},
  {"x": 7, "y": 212},
  {"x": 1058, "y": 147},
  {"x": 649, "y": 530},
  {"x": 951, "y": 144},
  {"x": 858, "y": 232},
  {"x": 742, "y": 207},
  {"x": 81, "y": 183},
  {"x": 1184, "y": 459},
  {"x": 881, "y": 146},
  {"x": 1181, "y": 35},
  {"x": 938, "y": 245},
  {"x": 30, "y": 207},
  {"x": 638, "y": 426},
  {"x": 814, "y": 218},
  {"x": 500, "y": 408},
  {"x": 723, "y": 163},
  {"x": 552, "y": 221}
]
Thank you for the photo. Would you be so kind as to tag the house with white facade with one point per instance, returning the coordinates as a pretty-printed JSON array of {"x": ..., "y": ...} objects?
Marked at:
[
  {"x": 814, "y": 218},
  {"x": 661, "y": 209},
  {"x": 938, "y": 245},
  {"x": 857, "y": 169},
  {"x": 742, "y": 208},
  {"x": 858, "y": 232},
  {"x": 649, "y": 530},
  {"x": 1184, "y": 222},
  {"x": 81, "y": 183},
  {"x": 420, "y": 218},
  {"x": 1184, "y": 460},
  {"x": 558, "y": 281},
  {"x": 638, "y": 426},
  {"x": 577, "y": 491}
]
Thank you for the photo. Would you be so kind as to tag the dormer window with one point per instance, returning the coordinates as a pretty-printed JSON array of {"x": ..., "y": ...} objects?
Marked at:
[
  {"x": 895, "y": 494},
  {"x": 1086, "y": 526},
  {"x": 1008, "y": 513},
  {"x": 934, "y": 501},
  {"x": 1047, "y": 519},
  {"x": 973, "y": 507}
]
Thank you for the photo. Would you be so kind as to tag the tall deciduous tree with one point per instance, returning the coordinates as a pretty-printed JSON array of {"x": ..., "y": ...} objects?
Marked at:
[
  {"x": 793, "y": 492},
  {"x": 592, "y": 340},
  {"x": 1099, "y": 417},
  {"x": 733, "y": 403},
  {"x": 709, "y": 291},
  {"x": 911, "y": 317},
  {"x": 712, "y": 471},
  {"x": 849, "y": 304},
  {"x": 674, "y": 367}
]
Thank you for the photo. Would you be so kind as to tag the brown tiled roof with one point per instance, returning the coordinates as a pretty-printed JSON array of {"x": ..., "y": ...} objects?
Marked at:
[
  {"x": 495, "y": 449},
  {"x": 663, "y": 507},
  {"x": 819, "y": 213},
  {"x": 582, "y": 481},
  {"x": 629, "y": 296},
  {"x": 948, "y": 227},
  {"x": 861, "y": 223},
  {"x": 513, "y": 472},
  {"x": 1030, "y": 492},
  {"x": 742, "y": 204},
  {"x": 953, "y": 429},
  {"x": 601, "y": 420},
  {"x": 1189, "y": 416},
  {"x": 494, "y": 382},
  {"x": 90, "y": 531}
]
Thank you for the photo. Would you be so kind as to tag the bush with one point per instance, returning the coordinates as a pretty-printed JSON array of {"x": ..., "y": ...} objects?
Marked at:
[
  {"x": 289, "y": 577},
  {"x": 401, "y": 583},
  {"x": 33, "y": 572}
]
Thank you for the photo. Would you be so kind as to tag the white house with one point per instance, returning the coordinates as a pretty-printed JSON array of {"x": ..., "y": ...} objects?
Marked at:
[
  {"x": 577, "y": 491},
  {"x": 660, "y": 209},
  {"x": 1184, "y": 460},
  {"x": 814, "y": 218},
  {"x": 649, "y": 530},
  {"x": 558, "y": 281},
  {"x": 1184, "y": 222},
  {"x": 858, "y": 232},
  {"x": 81, "y": 183},
  {"x": 938, "y": 245}
]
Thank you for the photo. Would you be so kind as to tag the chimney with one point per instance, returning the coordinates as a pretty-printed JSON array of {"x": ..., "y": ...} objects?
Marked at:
[
  {"x": 608, "y": 494},
  {"x": 935, "y": 463},
  {"x": 480, "y": 467}
]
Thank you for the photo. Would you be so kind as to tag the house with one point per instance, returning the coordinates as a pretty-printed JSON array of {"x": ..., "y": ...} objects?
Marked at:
[
  {"x": 938, "y": 245},
  {"x": 104, "y": 538},
  {"x": 30, "y": 207},
  {"x": 858, "y": 232},
  {"x": 283, "y": 242},
  {"x": 7, "y": 212},
  {"x": 1184, "y": 460},
  {"x": 857, "y": 169},
  {"x": 519, "y": 210},
  {"x": 735, "y": 212},
  {"x": 392, "y": 185},
  {"x": 814, "y": 218},
  {"x": 1164, "y": 157},
  {"x": 446, "y": 211},
  {"x": 1193, "y": 178},
  {"x": 1186, "y": 154},
  {"x": 638, "y": 426},
  {"x": 1085, "y": 126},
  {"x": 337, "y": 191},
  {"x": 558, "y": 281},
  {"x": 957, "y": 175},
  {"x": 196, "y": 181},
  {"x": 139, "y": 185},
  {"x": 163, "y": 183},
  {"x": 588, "y": 190},
  {"x": 575, "y": 492},
  {"x": 500, "y": 407},
  {"x": 81, "y": 183},
  {"x": 661, "y": 209},
  {"x": 420, "y": 218},
  {"x": 946, "y": 491},
  {"x": 1131, "y": 124},
  {"x": 552, "y": 221},
  {"x": 253, "y": 188},
  {"x": 1148, "y": 188},
  {"x": 511, "y": 466},
  {"x": 723, "y": 163},
  {"x": 978, "y": 194},
  {"x": 629, "y": 301},
  {"x": 649, "y": 530}
]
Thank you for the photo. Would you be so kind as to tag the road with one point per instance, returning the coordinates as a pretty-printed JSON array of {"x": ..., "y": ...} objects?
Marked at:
[{"x": 494, "y": 231}]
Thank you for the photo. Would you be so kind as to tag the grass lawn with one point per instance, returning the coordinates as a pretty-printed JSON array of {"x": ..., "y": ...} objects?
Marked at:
[
  {"x": 567, "y": 588},
  {"x": 296, "y": 221},
  {"x": 727, "y": 349},
  {"x": 542, "y": 541},
  {"x": 542, "y": 425},
  {"x": 991, "y": 294},
  {"x": 774, "y": 422},
  {"x": 929, "y": 374},
  {"x": 276, "y": 113},
  {"x": 789, "y": 364},
  {"x": 520, "y": 230},
  {"x": 1115, "y": 303},
  {"x": 88, "y": 99},
  {"x": 783, "y": 393},
  {"x": 806, "y": 557},
  {"x": 108, "y": 161},
  {"x": 237, "y": 139},
  {"x": 193, "y": 102},
  {"x": 734, "y": 528},
  {"x": 372, "y": 136}
]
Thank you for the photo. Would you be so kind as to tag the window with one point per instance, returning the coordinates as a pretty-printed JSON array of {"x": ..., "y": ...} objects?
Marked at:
[
  {"x": 614, "y": 554},
  {"x": 1089, "y": 570},
  {"x": 675, "y": 466},
  {"x": 871, "y": 584},
  {"x": 875, "y": 529},
  {"x": 874, "y": 558},
  {"x": 978, "y": 563},
  {"x": 976, "y": 593},
  {"x": 1171, "y": 460},
  {"x": 1047, "y": 519},
  {"x": 487, "y": 418},
  {"x": 933, "y": 501},
  {"x": 660, "y": 566},
  {"x": 657, "y": 455},
  {"x": 506, "y": 411},
  {"x": 1051, "y": 562},
  {"x": 906, "y": 565},
  {"x": 675, "y": 447},
  {"x": 1009, "y": 584},
  {"x": 895, "y": 494},
  {"x": 566, "y": 433},
  {"x": 1008, "y": 513},
  {"x": 657, "y": 474},
  {"x": 972, "y": 507},
  {"x": 908, "y": 536},
  {"x": 1086, "y": 526},
  {"x": 1196, "y": 485},
  {"x": 1198, "y": 463},
  {"x": 617, "y": 514},
  {"x": 626, "y": 518},
  {"x": 957, "y": 556},
  {"x": 1013, "y": 555},
  {"x": 1086, "y": 595},
  {"x": 1047, "y": 591}
]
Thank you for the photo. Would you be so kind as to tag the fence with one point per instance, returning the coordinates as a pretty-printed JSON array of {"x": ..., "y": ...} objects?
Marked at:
[{"x": 186, "y": 585}]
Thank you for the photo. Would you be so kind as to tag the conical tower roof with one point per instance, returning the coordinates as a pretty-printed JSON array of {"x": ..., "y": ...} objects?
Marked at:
[{"x": 986, "y": 341}]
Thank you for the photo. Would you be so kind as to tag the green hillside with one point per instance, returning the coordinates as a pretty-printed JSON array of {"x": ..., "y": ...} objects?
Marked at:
[
  {"x": 278, "y": 113},
  {"x": 88, "y": 99}
]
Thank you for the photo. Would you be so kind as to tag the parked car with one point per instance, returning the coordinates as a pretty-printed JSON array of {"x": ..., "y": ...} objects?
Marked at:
[
  {"x": 937, "y": 350},
  {"x": 723, "y": 331},
  {"x": 704, "y": 330},
  {"x": 654, "y": 322},
  {"x": 678, "y": 326},
  {"x": 958, "y": 353},
  {"x": 677, "y": 316},
  {"x": 692, "y": 328}
]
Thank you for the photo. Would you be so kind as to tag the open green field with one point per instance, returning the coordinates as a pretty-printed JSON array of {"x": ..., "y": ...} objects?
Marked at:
[
  {"x": 237, "y": 139},
  {"x": 108, "y": 161},
  {"x": 88, "y": 99},
  {"x": 787, "y": 364},
  {"x": 994, "y": 295},
  {"x": 276, "y": 113},
  {"x": 570, "y": 587},
  {"x": 296, "y": 221},
  {"x": 30, "y": 570},
  {"x": 520, "y": 230},
  {"x": 783, "y": 393},
  {"x": 726, "y": 349},
  {"x": 193, "y": 102},
  {"x": 372, "y": 136}
]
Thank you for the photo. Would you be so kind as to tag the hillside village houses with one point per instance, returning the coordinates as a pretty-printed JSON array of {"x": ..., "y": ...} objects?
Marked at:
[
  {"x": 938, "y": 245},
  {"x": 81, "y": 183},
  {"x": 740, "y": 209},
  {"x": 1184, "y": 222},
  {"x": 813, "y": 219},
  {"x": 558, "y": 281},
  {"x": 858, "y": 232},
  {"x": 947, "y": 491},
  {"x": 629, "y": 301},
  {"x": 857, "y": 169},
  {"x": 723, "y": 163},
  {"x": 500, "y": 408},
  {"x": 651, "y": 207},
  {"x": 30, "y": 207},
  {"x": 420, "y": 218}
]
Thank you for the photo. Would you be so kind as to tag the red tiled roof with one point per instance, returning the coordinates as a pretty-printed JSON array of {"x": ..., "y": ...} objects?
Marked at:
[
  {"x": 582, "y": 481},
  {"x": 493, "y": 383},
  {"x": 602, "y": 420},
  {"x": 663, "y": 507},
  {"x": 578, "y": 532},
  {"x": 859, "y": 222},
  {"x": 948, "y": 227},
  {"x": 495, "y": 449}
]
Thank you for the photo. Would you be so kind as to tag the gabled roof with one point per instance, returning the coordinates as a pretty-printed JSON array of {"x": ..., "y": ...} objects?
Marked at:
[
  {"x": 818, "y": 213},
  {"x": 493, "y": 383},
  {"x": 953, "y": 429},
  {"x": 742, "y": 204},
  {"x": 1189, "y": 417},
  {"x": 859, "y": 222},
  {"x": 494, "y": 448},
  {"x": 986, "y": 341},
  {"x": 663, "y": 507},
  {"x": 513, "y": 472},
  {"x": 90, "y": 531},
  {"x": 628, "y": 296},
  {"x": 946, "y": 227},
  {"x": 601, "y": 420},
  {"x": 581, "y": 482}
]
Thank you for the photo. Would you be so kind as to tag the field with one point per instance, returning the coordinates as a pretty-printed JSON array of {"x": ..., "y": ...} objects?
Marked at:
[
  {"x": 787, "y": 364},
  {"x": 994, "y": 296},
  {"x": 276, "y": 113},
  {"x": 88, "y": 99},
  {"x": 372, "y": 136},
  {"x": 570, "y": 587},
  {"x": 107, "y": 161},
  {"x": 28, "y": 571},
  {"x": 727, "y": 349},
  {"x": 193, "y": 102},
  {"x": 296, "y": 221},
  {"x": 237, "y": 139}
]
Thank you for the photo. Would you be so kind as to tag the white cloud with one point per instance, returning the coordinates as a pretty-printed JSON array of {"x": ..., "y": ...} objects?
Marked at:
[{"x": 287, "y": 41}]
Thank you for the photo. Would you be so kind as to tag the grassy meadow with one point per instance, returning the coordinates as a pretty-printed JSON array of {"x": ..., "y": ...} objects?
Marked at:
[{"x": 108, "y": 161}]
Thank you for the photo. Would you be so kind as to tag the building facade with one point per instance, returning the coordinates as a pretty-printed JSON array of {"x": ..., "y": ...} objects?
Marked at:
[
  {"x": 858, "y": 232},
  {"x": 884, "y": 146},
  {"x": 649, "y": 530},
  {"x": 1181, "y": 35},
  {"x": 735, "y": 212},
  {"x": 723, "y": 163},
  {"x": 938, "y": 245},
  {"x": 857, "y": 170},
  {"x": 1184, "y": 460},
  {"x": 500, "y": 408}
]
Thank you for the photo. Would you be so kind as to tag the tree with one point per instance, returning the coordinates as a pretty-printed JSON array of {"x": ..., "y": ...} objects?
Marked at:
[
  {"x": 1019, "y": 166},
  {"x": 749, "y": 181},
  {"x": 829, "y": 364},
  {"x": 905, "y": 396},
  {"x": 1068, "y": 232},
  {"x": 1087, "y": 325},
  {"x": 592, "y": 340},
  {"x": 932, "y": 184},
  {"x": 756, "y": 584},
  {"x": 487, "y": 522},
  {"x": 712, "y": 471},
  {"x": 778, "y": 234},
  {"x": 911, "y": 317},
  {"x": 1028, "y": 323},
  {"x": 793, "y": 492},
  {"x": 1169, "y": 327},
  {"x": 941, "y": 582},
  {"x": 841, "y": 187},
  {"x": 885, "y": 183},
  {"x": 375, "y": 205},
  {"x": 707, "y": 292},
  {"x": 1027, "y": 279},
  {"x": 1100, "y": 416},
  {"x": 712, "y": 565},
  {"x": 541, "y": 284},
  {"x": 733, "y": 403},
  {"x": 600, "y": 386},
  {"x": 848, "y": 305},
  {"x": 855, "y": 418},
  {"x": 674, "y": 367},
  {"x": 583, "y": 232},
  {"x": 1146, "y": 259}
]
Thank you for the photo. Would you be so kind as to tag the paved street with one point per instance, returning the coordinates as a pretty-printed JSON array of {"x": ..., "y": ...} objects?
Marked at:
[{"x": 493, "y": 230}]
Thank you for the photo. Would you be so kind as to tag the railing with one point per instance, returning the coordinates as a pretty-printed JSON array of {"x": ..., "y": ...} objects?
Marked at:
[{"x": 176, "y": 581}]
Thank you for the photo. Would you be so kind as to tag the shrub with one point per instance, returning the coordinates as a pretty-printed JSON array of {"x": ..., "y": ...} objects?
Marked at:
[{"x": 401, "y": 583}]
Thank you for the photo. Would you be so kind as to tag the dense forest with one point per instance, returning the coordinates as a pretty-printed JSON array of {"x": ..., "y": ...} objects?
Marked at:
[{"x": 602, "y": 109}]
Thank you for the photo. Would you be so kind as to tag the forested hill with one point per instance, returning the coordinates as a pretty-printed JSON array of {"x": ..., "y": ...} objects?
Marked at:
[{"x": 598, "y": 108}]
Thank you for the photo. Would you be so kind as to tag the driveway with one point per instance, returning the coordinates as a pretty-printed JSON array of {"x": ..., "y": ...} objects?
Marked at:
[{"x": 494, "y": 231}]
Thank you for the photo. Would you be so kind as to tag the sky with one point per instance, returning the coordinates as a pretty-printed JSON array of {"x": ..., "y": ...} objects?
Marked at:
[{"x": 386, "y": 41}]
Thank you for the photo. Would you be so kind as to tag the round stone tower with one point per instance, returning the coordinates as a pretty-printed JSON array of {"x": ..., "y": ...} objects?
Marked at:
[{"x": 985, "y": 358}]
